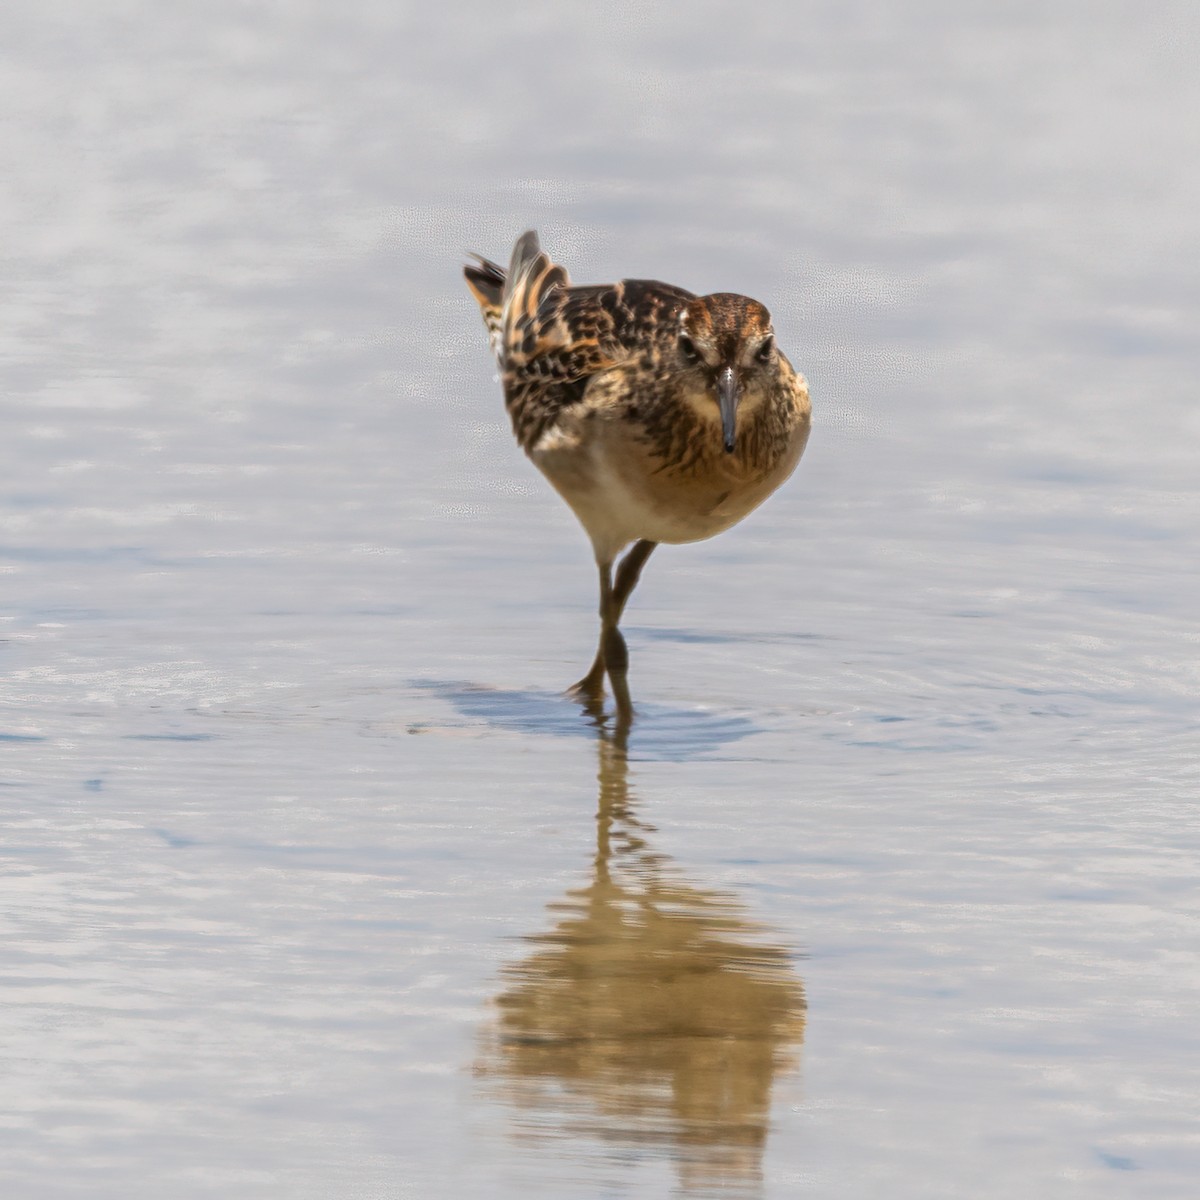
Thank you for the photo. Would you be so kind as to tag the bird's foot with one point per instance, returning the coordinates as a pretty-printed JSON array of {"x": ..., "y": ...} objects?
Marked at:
[
  {"x": 588, "y": 693},
  {"x": 591, "y": 686}
]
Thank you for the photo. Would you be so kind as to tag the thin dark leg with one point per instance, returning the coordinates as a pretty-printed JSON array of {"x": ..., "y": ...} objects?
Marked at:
[
  {"x": 612, "y": 655},
  {"x": 591, "y": 686},
  {"x": 616, "y": 663},
  {"x": 616, "y": 654},
  {"x": 629, "y": 572}
]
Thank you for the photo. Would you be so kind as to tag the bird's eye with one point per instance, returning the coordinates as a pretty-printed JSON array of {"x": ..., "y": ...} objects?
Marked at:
[
  {"x": 687, "y": 348},
  {"x": 764, "y": 351}
]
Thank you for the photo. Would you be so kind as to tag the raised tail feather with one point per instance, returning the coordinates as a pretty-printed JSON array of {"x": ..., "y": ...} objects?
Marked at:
[
  {"x": 486, "y": 282},
  {"x": 510, "y": 302},
  {"x": 548, "y": 337},
  {"x": 531, "y": 276}
]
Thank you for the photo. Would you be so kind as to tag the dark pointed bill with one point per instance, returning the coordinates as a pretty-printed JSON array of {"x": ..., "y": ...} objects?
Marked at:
[{"x": 728, "y": 394}]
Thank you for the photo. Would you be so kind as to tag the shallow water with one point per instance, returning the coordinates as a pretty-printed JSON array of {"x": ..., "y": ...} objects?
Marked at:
[{"x": 314, "y": 884}]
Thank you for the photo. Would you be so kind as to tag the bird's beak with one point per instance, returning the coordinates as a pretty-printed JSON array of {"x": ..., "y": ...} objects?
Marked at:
[{"x": 728, "y": 394}]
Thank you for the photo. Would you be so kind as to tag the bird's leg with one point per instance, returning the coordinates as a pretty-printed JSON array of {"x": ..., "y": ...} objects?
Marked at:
[
  {"x": 630, "y": 571},
  {"x": 612, "y": 656},
  {"x": 616, "y": 655},
  {"x": 591, "y": 686}
]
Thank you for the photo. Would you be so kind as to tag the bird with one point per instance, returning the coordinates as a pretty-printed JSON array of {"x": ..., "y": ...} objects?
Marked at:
[{"x": 658, "y": 415}]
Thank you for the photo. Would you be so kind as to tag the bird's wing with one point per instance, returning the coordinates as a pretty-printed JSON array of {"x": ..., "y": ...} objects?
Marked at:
[
  {"x": 551, "y": 330},
  {"x": 551, "y": 338}
]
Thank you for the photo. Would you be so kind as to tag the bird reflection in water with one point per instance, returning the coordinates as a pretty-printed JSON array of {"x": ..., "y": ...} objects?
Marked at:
[{"x": 653, "y": 1017}]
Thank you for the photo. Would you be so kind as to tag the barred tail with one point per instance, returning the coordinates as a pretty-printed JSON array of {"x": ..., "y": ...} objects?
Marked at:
[
  {"x": 510, "y": 300},
  {"x": 531, "y": 275}
]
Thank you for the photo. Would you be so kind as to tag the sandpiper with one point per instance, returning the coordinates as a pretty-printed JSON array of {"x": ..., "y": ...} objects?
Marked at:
[{"x": 657, "y": 415}]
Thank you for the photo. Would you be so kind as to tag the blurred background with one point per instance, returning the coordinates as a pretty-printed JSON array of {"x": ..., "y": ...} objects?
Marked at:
[{"x": 314, "y": 885}]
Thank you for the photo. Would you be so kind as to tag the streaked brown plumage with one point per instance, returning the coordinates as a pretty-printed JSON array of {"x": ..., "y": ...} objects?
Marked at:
[{"x": 659, "y": 416}]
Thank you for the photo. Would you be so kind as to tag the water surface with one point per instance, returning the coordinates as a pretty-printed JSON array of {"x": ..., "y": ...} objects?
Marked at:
[{"x": 314, "y": 884}]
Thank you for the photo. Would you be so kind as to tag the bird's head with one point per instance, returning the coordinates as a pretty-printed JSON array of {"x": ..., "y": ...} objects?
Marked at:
[{"x": 726, "y": 349}]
